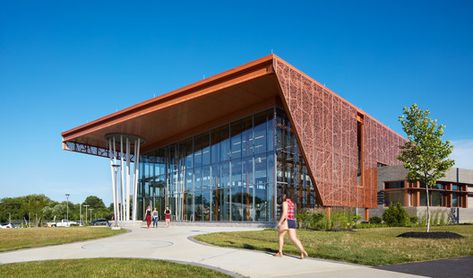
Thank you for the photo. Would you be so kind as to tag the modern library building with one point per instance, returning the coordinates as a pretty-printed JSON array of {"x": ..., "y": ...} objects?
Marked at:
[{"x": 224, "y": 148}]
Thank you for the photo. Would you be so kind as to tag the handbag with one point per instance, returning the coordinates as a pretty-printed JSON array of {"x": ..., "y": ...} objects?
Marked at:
[{"x": 283, "y": 227}]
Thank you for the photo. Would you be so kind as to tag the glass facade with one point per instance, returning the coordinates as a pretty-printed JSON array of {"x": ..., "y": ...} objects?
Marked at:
[
  {"x": 442, "y": 194},
  {"x": 231, "y": 173}
]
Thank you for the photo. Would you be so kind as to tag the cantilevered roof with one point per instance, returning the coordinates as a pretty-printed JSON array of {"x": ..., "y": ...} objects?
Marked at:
[{"x": 179, "y": 112}]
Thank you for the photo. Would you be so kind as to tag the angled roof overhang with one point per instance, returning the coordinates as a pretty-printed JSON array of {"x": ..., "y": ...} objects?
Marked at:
[{"x": 171, "y": 115}]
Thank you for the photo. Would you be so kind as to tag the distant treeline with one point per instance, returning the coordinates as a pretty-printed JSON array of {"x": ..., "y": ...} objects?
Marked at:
[{"x": 36, "y": 210}]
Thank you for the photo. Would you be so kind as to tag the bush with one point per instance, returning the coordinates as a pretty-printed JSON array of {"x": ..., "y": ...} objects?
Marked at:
[
  {"x": 376, "y": 220},
  {"x": 396, "y": 216},
  {"x": 302, "y": 219},
  {"x": 313, "y": 221},
  {"x": 317, "y": 221},
  {"x": 414, "y": 220},
  {"x": 340, "y": 221},
  {"x": 356, "y": 219}
]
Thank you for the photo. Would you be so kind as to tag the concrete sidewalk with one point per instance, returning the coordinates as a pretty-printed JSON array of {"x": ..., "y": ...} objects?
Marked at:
[{"x": 174, "y": 244}]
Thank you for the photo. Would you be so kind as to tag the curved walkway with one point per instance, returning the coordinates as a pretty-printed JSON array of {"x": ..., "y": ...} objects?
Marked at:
[{"x": 174, "y": 244}]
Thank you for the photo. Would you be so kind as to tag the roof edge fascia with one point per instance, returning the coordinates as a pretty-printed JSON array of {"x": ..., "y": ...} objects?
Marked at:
[{"x": 138, "y": 108}]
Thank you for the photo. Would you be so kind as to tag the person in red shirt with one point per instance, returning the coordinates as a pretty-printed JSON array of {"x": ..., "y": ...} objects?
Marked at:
[
  {"x": 287, "y": 223},
  {"x": 148, "y": 216},
  {"x": 167, "y": 216}
]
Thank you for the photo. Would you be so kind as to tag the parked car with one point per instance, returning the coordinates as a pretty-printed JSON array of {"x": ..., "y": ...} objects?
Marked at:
[
  {"x": 100, "y": 222},
  {"x": 63, "y": 223},
  {"x": 6, "y": 226}
]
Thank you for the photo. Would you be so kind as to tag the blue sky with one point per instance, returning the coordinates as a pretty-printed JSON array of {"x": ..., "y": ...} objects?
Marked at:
[{"x": 65, "y": 63}]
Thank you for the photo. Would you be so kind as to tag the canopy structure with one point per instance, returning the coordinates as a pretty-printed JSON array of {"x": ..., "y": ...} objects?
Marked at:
[{"x": 337, "y": 139}]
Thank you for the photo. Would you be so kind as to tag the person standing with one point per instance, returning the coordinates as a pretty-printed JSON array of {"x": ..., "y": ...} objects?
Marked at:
[
  {"x": 148, "y": 216},
  {"x": 167, "y": 216},
  {"x": 155, "y": 216},
  {"x": 287, "y": 224}
]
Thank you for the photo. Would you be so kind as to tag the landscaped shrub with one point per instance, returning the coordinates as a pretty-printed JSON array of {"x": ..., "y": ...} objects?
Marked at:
[
  {"x": 414, "y": 220},
  {"x": 356, "y": 218},
  {"x": 396, "y": 216},
  {"x": 312, "y": 220},
  {"x": 340, "y": 221},
  {"x": 302, "y": 220},
  {"x": 317, "y": 221},
  {"x": 376, "y": 220}
]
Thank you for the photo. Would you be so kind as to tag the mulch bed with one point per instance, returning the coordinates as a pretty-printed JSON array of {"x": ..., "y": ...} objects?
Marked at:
[{"x": 431, "y": 235}]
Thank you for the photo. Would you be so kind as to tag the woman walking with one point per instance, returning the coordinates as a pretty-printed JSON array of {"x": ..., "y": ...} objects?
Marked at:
[
  {"x": 167, "y": 216},
  {"x": 286, "y": 224},
  {"x": 155, "y": 218},
  {"x": 148, "y": 216}
]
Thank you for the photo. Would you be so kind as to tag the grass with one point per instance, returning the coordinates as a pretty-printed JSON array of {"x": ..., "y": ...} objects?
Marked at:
[
  {"x": 13, "y": 239},
  {"x": 377, "y": 246},
  {"x": 106, "y": 267}
]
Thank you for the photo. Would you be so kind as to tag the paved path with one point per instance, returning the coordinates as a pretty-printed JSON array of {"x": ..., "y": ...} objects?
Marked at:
[{"x": 173, "y": 244}]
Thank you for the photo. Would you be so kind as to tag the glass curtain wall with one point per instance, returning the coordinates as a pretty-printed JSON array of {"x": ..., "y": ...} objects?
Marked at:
[
  {"x": 291, "y": 170},
  {"x": 227, "y": 173}
]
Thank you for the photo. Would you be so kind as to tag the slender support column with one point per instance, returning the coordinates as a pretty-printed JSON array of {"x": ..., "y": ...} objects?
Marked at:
[
  {"x": 127, "y": 200},
  {"x": 122, "y": 181},
  {"x": 114, "y": 169},
  {"x": 135, "y": 176},
  {"x": 367, "y": 214},
  {"x": 112, "y": 156}
]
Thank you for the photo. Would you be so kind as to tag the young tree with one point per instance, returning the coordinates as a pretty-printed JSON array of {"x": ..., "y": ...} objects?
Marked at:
[{"x": 425, "y": 155}]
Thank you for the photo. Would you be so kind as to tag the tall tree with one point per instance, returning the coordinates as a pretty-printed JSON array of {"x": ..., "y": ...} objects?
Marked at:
[
  {"x": 425, "y": 155},
  {"x": 94, "y": 202}
]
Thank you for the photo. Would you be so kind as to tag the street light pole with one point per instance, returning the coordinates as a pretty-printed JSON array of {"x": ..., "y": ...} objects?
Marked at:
[
  {"x": 67, "y": 206},
  {"x": 86, "y": 206}
]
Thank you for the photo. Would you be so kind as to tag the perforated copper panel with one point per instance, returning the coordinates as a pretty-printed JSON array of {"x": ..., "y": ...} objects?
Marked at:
[{"x": 326, "y": 127}]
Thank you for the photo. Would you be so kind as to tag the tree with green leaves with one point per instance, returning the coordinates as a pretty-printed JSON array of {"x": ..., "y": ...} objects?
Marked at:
[
  {"x": 94, "y": 202},
  {"x": 425, "y": 155}
]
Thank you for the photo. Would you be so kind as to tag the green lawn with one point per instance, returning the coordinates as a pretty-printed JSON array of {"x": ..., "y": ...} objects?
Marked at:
[
  {"x": 13, "y": 239},
  {"x": 106, "y": 267},
  {"x": 377, "y": 246}
]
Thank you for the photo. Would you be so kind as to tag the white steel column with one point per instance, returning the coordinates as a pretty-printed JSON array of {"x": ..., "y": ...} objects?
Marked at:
[
  {"x": 115, "y": 181},
  {"x": 122, "y": 181},
  {"x": 112, "y": 170},
  {"x": 135, "y": 177},
  {"x": 127, "y": 201}
]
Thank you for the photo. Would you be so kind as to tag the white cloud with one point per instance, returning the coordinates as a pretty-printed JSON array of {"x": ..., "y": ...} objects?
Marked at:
[{"x": 463, "y": 153}]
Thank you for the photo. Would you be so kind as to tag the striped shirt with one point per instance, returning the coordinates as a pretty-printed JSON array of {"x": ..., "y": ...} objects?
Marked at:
[{"x": 290, "y": 209}]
